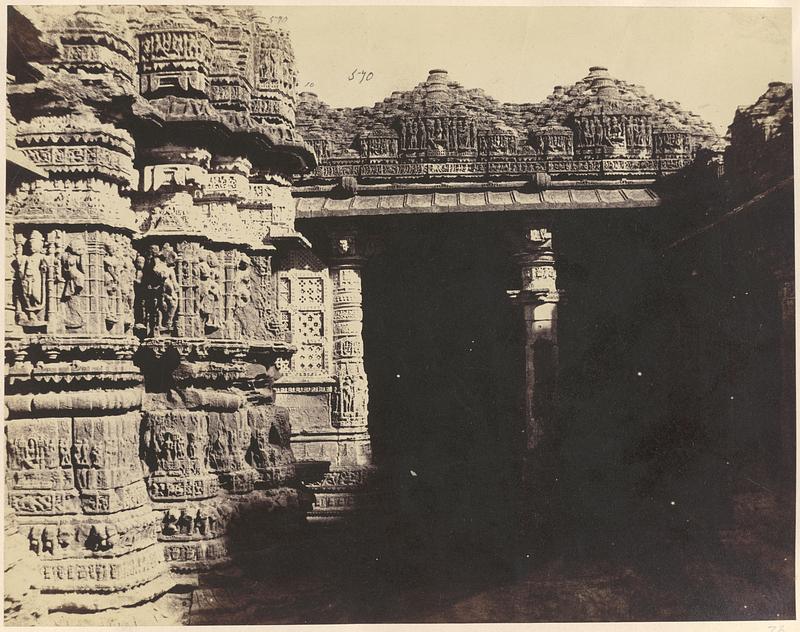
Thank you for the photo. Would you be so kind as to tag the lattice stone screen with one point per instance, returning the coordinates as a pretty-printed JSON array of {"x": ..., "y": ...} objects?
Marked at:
[{"x": 304, "y": 301}]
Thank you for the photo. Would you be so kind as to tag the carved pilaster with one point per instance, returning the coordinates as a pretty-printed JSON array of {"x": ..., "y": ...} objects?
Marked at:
[
  {"x": 352, "y": 397},
  {"x": 347, "y": 485}
]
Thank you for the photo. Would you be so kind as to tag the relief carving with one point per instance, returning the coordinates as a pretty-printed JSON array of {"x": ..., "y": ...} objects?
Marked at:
[
  {"x": 73, "y": 304},
  {"x": 32, "y": 270},
  {"x": 160, "y": 290}
]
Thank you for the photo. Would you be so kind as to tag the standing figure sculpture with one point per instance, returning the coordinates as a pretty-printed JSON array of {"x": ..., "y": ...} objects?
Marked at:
[
  {"x": 161, "y": 291},
  {"x": 113, "y": 267},
  {"x": 74, "y": 277},
  {"x": 31, "y": 281}
]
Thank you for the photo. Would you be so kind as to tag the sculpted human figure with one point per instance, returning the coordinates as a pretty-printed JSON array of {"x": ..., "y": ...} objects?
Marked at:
[
  {"x": 201, "y": 523},
  {"x": 361, "y": 396},
  {"x": 615, "y": 128},
  {"x": 210, "y": 292},
  {"x": 169, "y": 447},
  {"x": 162, "y": 289},
  {"x": 32, "y": 273},
  {"x": 63, "y": 455},
  {"x": 63, "y": 537},
  {"x": 127, "y": 275},
  {"x": 347, "y": 394},
  {"x": 168, "y": 525},
  {"x": 48, "y": 545},
  {"x": 139, "y": 294},
  {"x": 179, "y": 452},
  {"x": 94, "y": 457},
  {"x": 113, "y": 267},
  {"x": 33, "y": 539},
  {"x": 72, "y": 272}
]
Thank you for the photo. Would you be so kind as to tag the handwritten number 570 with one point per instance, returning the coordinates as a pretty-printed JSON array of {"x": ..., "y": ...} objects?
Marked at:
[{"x": 360, "y": 76}]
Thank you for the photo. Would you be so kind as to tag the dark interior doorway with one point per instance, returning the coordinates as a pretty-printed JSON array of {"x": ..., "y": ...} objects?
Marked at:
[{"x": 443, "y": 351}]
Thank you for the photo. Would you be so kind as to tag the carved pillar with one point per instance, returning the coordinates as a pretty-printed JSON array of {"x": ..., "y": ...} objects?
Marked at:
[
  {"x": 216, "y": 444},
  {"x": 73, "y": 394},
  {"x": 539, "y": 300},
  {"x": 346, "y": 487}
]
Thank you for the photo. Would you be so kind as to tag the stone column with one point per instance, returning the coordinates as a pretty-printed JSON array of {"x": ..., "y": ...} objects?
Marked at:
[
  {"x": 216, "y": 444},
  {"x": 346, "y": 487},
  {"x": 73, "y": 393},
  {"x": 539, "y": 300}
]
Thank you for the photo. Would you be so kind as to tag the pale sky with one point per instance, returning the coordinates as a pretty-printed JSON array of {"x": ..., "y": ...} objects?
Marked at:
[{"x": 710, "y": 60}]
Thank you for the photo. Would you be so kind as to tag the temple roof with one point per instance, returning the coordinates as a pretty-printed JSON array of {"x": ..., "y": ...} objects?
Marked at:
[{"x": 596, "y": 92}]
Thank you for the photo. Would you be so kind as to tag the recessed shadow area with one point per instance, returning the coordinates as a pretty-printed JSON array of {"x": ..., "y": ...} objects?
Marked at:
[{"x": 443, "y": 352}]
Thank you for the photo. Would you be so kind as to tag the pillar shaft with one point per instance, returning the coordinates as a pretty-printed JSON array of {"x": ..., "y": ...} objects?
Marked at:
[
  {"x": 538, "y": 297},
  {"x": 214, "y": 439},
  {"x": 73, "y": 393}
]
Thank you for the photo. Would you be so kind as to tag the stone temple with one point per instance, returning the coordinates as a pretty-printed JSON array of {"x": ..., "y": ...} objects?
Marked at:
[{"x": 235, "y": 314}]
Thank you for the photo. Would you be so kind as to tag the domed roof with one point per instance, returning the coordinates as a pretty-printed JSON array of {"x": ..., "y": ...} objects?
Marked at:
[{"x": 598, "y": 91}]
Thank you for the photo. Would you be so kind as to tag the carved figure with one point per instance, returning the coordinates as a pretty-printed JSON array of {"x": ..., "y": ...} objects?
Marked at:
[
  {"x": 200, "y": 523},
  {"x": 113, "y": 270},
  {"x": 179, "y": 453},
  {"x": 63, "y": 455},
  {"x": 32, "y": 272},
  {"x": 210, "y": 293},
  {"x": 94, "y": 457},
  {"x": 72, "y": 273},
  {"x": 93, "y": 540},
  {"x": 168, "y": 447},
  {"x": 48, "y": 545},
  {"x": 33, "y": 539},
  {"x": 161, "y": 293},
  {"x": 185, "y": 523},
  {"x": 169, "y": 523},
  {"x": 64, "y": 537},
  {"x": 348, "y": 394}
]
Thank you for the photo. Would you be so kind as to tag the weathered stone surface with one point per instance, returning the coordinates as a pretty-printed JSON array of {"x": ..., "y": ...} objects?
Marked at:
[
  {"x": 142, "y": 433},
  {"x": 441, "y": 121},
  {"x": 760, "y": 151}
]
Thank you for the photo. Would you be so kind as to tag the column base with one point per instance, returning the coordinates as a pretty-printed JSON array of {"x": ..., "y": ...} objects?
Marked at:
[
  {"x": 343, "y": 493},
  {"x": 211, "y": 534},
  {"x": 103, "y": 583}
]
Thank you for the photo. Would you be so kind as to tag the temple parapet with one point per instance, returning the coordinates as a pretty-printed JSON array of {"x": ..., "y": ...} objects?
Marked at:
[{"x": 599, "y": 127}]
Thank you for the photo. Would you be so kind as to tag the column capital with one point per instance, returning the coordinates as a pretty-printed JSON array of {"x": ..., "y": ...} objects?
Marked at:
[
  {"x": 536, "y": 260},
  {"x": 353, "y": 247},
  {"x": 530, "y": 237}
]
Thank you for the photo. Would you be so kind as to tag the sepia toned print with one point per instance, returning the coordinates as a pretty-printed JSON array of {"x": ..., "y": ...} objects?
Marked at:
[{"x": 439, "y": 359}]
